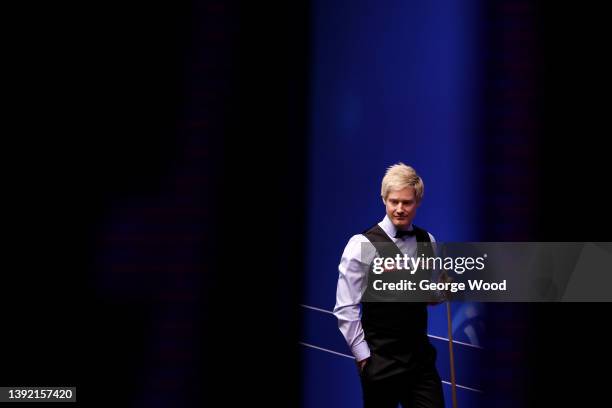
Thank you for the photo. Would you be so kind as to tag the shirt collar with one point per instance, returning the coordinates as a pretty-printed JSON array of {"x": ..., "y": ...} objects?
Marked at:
[{"x": 389, "y": 228}]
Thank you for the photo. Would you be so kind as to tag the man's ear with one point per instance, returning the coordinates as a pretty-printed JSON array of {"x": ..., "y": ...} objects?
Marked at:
[{"x": 384, "y": 201}]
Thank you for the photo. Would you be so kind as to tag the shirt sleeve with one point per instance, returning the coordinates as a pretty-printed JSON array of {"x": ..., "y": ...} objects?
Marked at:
[{"x": 352, "y": 280}]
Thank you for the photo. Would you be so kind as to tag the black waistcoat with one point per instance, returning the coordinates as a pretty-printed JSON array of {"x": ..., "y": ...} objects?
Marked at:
[{"x": 396, "y": 332}]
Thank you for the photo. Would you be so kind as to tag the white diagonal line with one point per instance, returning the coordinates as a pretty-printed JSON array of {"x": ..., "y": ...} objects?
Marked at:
[
  {"x": 327, "y": 350},
  {"x": 456, "y": 341},
  {"x": 317, "y": 309},
  {"x": 463, "y": 386},
  {"x": 430, "y": 335}
]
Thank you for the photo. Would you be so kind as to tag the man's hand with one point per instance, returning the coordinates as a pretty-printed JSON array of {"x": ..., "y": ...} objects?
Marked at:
[
  {"x": 361, "y": 364},
  {"x": 444, "y": 296}
]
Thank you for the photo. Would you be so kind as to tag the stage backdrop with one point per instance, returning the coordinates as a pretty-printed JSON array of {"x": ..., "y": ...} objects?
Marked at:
[{"x": 392, "y": 81}]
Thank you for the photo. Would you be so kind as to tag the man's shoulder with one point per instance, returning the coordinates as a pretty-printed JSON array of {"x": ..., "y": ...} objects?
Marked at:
[
  {"x": 355, "y": 243},
  {"x": 358, "y": 248},
  {"x": 363, "y": 235},
  {"x": 373, "y": 228},
  {"x": 357, "y": 239},
  {"x": 424, "y": 231}
]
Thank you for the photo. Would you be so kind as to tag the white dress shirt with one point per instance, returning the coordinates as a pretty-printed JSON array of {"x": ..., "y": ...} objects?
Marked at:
[{"x": 352, "y": 282}]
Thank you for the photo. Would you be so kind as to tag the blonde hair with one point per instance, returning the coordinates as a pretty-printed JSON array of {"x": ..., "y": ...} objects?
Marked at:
[{"x": 400, "y": 176}]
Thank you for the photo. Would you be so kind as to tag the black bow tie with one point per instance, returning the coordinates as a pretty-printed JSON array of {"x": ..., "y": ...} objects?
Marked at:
[{"x": 402, "y": 234}]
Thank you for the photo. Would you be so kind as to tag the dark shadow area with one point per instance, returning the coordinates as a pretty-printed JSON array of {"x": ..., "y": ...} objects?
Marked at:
[
  {"x": 565, "y": 353},
  {"x": 155, "y": 202}
]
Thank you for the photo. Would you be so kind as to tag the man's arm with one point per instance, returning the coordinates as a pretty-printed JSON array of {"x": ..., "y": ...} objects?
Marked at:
[{"x": 351, "y": 285}]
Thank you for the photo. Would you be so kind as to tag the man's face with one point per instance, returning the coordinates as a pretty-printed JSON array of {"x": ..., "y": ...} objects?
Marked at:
[{"x": 401, "y": 207}]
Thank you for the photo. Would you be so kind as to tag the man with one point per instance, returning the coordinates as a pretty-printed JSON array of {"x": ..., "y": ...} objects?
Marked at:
[{"x": 395, "y": 360}]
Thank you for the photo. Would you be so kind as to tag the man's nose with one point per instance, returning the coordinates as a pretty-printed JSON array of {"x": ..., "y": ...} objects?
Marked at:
[{"x": 399, "y": 208}]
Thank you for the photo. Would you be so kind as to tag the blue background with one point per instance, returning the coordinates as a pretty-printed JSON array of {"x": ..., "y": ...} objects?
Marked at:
[{"x": 389, "y": 83}]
